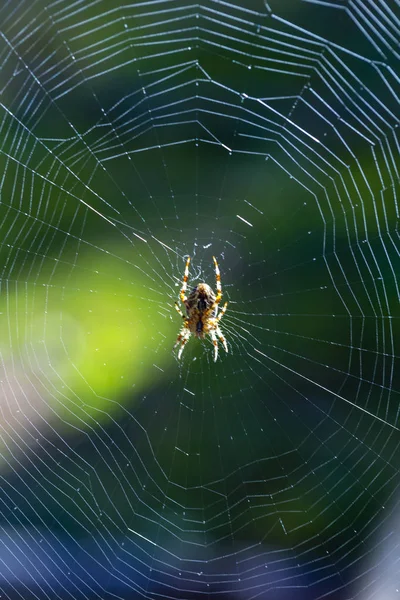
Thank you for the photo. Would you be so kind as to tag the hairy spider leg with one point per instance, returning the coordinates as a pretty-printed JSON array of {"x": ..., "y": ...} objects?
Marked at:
[
  {"x": 178, "y": 310},
  {"x": 222, "y": 338},
  {"x": 218, "y": 282},
  {"x": 182, "y": 334},
  {"x": 214, "y": 341},
  {"x": 185, "y": 338},
  {"x": 221, "y": 314},
  {"x": 185, "y": 279}
]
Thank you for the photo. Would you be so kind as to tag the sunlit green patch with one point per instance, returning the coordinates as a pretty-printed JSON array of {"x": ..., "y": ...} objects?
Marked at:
[{"x": 85, "y": 343}]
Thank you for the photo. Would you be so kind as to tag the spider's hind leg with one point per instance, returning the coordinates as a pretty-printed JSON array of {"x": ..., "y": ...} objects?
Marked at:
[
  {"x": 178, "y": 310},
  {"x": 183, "y": 296},
  {"x": 217, "y": 282}
]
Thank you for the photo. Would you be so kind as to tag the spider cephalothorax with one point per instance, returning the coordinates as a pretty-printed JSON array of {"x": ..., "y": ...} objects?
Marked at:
[{"x": 201, "y": 312}]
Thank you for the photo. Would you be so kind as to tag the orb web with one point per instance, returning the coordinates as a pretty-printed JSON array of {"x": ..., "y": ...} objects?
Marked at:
[{"x": 134, "y": 136}]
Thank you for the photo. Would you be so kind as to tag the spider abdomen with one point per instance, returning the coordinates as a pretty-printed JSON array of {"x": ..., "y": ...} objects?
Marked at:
[
  {"x": 200, "y": 298},
  {"x": 198, "y": 304}
]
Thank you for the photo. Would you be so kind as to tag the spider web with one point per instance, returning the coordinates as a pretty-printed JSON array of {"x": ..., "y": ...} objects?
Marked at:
[{"x": 133, "y": 136}]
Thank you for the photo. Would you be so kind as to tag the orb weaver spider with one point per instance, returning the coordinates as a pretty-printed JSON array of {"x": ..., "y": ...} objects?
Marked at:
[{"x": 201, "y": 312}]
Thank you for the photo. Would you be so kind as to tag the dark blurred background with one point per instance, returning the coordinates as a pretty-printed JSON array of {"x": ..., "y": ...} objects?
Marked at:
[{"x": 132, "y": 136}]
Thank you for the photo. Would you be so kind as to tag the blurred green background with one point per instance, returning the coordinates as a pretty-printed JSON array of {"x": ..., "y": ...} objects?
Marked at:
[{"x": 133, "y": 136}]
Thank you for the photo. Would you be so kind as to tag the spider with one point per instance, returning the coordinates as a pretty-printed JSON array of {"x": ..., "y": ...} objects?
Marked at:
[{"x": 201, "y": 310}]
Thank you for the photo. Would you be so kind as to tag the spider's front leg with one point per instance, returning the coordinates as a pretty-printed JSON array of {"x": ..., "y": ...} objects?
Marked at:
[
  {"x": 221, "y": 338},
  {"x": 221, "y": 314},
  {"x": 182, "y": 339}
]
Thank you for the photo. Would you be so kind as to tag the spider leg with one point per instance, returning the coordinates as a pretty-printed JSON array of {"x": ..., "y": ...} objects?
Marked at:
[
  {"x": 221, "y": 337},
  {"x": 221, "y": 314},
  {"x": 185, "y": 338},
  {"x": 218, "y": 282},
  {"x": 214, "y": 341},
  {"x": 183, "y": 296},
  {"x": 181, "y": 334},
  {"x": 178, "y": 310}
]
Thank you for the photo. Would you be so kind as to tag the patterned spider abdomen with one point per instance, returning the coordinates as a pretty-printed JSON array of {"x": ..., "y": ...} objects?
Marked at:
[{"x": 198, "y": 305}]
